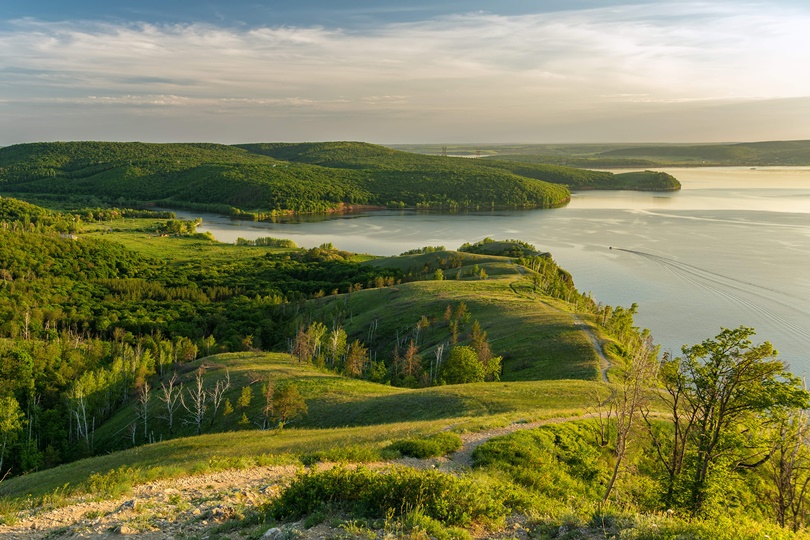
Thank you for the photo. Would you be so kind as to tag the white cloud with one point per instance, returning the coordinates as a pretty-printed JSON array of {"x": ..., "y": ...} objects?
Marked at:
[{"x": 511, "y": 71}]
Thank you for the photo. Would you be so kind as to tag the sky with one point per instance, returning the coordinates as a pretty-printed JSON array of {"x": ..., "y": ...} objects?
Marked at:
[{"x": 441, "y": 71}]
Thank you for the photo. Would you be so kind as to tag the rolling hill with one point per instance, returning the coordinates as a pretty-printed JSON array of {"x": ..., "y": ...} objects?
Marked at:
[{"x": 264, "y": 179}]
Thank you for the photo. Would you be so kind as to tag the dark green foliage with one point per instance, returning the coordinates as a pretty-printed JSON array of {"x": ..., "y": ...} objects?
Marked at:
[
  {"x": 501, "y": 248},
  {"x": 585, "y": 179},
  {"x": 426, "y": 249},
  {"x": 252, "y": 181},
  {"x": 436, "y": 445},
  {"x": 94, "y": 313},
  {"x": 636, "y": 156},
  {"x": 462, "y": 367},
  {"x": 648, "y": 181},
  {"x": 363, "y": 493},
  {"x": 267, "y": 241},
  {"x": 419, "y": 180},
  {"x": 721, "y": 395}
]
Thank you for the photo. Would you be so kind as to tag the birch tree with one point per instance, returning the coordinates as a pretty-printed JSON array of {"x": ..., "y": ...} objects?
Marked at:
[
  {"x": 197, "y": 401},
  {"x": 170, "y": 396}
]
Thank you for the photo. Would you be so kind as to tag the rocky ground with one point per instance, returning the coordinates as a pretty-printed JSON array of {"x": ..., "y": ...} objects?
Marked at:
[{"x": 214, "y": 505}]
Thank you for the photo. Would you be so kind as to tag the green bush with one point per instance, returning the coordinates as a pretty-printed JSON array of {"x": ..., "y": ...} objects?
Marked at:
[
  {"x": 364, "y": 493},
  {"x": 462, "y": 367},
  {"x": 558, "y": 462},
  {"x": 436, "y": 445}
]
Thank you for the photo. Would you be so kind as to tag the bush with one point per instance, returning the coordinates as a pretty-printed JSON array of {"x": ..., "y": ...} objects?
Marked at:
[
  {"x": 436, "y": 445},
  {"x": 462, "y": 367},
  {"x": 364, "y": 493}
]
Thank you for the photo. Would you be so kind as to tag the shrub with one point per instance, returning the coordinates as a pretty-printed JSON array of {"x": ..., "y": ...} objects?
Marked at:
[
  {"x": 364, "y": 493},
  {"x": 436, "y": 445},
  {"x": 462, "y": 367}
]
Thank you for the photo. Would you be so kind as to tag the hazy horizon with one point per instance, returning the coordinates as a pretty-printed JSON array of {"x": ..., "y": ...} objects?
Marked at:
[{"x": 452, "y": 72}]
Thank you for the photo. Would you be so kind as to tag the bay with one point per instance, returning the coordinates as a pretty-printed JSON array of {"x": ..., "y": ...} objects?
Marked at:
[{"x": 731, "y": 248}]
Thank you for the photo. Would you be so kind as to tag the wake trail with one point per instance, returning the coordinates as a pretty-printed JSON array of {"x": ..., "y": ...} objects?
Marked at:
[{"x": 723, "y": 286}]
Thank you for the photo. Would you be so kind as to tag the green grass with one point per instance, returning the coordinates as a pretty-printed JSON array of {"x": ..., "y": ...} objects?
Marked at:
[
  {"x": 140, "y": 235},
  {"x": 535, "y": 335},
  {"x": 343, "y": 413},
  {"x": 335, "y": 401}
]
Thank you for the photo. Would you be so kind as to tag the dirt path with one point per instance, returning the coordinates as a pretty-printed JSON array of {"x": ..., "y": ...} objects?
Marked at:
[
  {"x": 471, "y": 441},
  {"x": 191, "y": 506},
  {"x": 582, "y": 325},
  {"x": 605, "y": 363}
]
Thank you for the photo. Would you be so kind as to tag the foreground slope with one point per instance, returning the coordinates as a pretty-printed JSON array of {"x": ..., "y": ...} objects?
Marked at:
[{"x": 343, "y": 413}]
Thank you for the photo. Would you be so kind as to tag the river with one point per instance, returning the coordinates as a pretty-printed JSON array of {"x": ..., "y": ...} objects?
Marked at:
[{"x": 731, "y": 248}]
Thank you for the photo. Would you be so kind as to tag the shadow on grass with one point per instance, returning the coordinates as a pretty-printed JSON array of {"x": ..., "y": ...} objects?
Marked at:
[{"x": 404, "y": 407}]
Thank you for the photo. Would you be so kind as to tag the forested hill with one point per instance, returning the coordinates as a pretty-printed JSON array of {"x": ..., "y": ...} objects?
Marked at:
[
  {"x": 384, "y": 162},
  {"x": 251, "y": 178},
  {"x": 266, "y": 179},
  {"x": 753, "y": 153}
]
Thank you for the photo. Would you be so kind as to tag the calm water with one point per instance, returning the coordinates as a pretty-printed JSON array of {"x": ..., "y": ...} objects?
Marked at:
[{"x": 731, "y": 248}]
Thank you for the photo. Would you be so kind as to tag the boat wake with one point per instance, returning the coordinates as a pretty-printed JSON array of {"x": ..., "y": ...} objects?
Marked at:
[{"x": 746, "y": 294}]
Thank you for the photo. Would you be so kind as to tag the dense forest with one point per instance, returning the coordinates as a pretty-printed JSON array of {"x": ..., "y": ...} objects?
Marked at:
[
  {"x": 247, "y": 179},
  {"x": 76, "y": 307},
  {"x": 264, "y": 180}
]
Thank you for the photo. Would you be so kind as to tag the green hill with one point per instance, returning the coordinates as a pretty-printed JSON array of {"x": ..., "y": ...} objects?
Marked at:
[
  {"x": 755, "y": 153},
  {"x": 334, "y": 401},
  {"x": 633, "y": 156},
  {"x": 585, "y": 179},
  {"x": 263, "y": 179}
]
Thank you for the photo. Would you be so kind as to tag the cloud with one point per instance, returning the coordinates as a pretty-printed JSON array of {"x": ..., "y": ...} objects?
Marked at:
[{"x": 545, "y": 68}]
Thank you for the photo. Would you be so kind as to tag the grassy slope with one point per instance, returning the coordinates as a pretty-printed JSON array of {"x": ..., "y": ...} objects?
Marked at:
[
  {"x": 535, "y": 335},
  {"x": 537, "y": 340},
  {"x": 359, "y": 407}
]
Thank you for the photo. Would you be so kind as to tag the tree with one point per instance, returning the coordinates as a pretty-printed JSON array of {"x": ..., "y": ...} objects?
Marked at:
[
  {"x": 197, "y": 401},
  {"x": 336, "y": 345},
  {"x": 11, "y": 422},
  {"x": 268, "y": 391},
  {"x": 461, "y": 367},
  {"x": 717, "y": 390},
  {"x": 245, "y": 397},
  {"x": 208, "y": 342},
  {"x": 227, "y": 411},
  {"x": 355, "y": 359},
  {"x": 288, "y": 404},
  {"x": 142, "y": 407},
  {"x": 789, "y": 469},
  {"x": 490, "y": 363},
  {"x": 411, "y": 362},
  {"x": 170, "y": 396},
  {"x": 217, "y": 394},
  {"x": 628, "y": 399}
]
